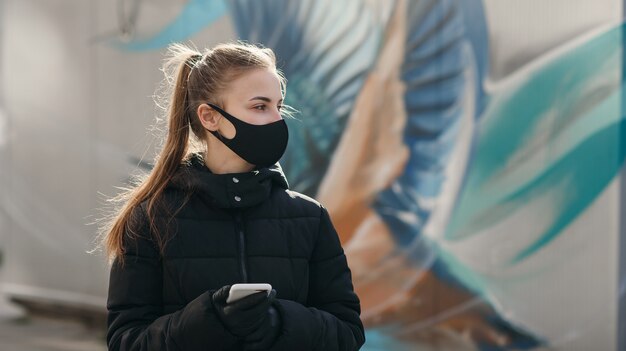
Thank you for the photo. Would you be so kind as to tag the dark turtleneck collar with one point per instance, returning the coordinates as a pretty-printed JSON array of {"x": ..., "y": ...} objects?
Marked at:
[{"x": 232, "y": 190}]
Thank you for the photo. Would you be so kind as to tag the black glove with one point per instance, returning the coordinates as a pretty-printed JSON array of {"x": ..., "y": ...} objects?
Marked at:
[
  {"x": 243, "y": 316},
  {"x": 267, "y": 333}
]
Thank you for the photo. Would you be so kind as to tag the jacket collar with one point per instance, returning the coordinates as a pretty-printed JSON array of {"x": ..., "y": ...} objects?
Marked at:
[{"x": 232, "y": 190}]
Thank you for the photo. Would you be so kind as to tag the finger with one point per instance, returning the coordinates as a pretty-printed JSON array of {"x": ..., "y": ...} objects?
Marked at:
[
  {"x": 250, "y": 301},
  {"x": 221, "y": 294},
  {"x": 257, "y": 311}
]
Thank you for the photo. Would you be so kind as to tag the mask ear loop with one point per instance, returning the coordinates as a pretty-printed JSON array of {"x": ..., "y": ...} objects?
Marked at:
[
  {"x": 234, "y": 120},
  {"x": 227, "y": 116}
]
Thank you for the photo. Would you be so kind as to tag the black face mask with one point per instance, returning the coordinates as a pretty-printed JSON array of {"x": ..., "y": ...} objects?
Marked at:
[{"x": 260, "y": 145}]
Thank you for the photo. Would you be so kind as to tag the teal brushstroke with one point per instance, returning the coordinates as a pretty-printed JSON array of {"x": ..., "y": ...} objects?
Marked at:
[
  {"x": 589, "y": 170},
  {"x": 195, "y": 16},
  {"x": 570, "y": 112},
  {"x": 549, "y": 92},
  {"x": 471, "y": 280}
]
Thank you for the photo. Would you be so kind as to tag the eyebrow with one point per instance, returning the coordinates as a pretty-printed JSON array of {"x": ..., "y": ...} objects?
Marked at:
[{"x": 263, "y": 98}]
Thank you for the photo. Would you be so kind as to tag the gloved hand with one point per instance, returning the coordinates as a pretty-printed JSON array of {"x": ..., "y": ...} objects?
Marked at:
[
  {"x": 243, "y": 316},
  {"x": 267, "y": 333}
]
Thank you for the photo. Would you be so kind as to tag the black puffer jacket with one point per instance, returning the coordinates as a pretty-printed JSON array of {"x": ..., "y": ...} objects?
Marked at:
[{"x": 234, "y": 228}]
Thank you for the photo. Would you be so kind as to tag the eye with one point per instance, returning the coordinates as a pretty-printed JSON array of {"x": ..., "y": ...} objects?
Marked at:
[
  {"x": 280, "y": 107},
  {"x": 260, "y": 107}
]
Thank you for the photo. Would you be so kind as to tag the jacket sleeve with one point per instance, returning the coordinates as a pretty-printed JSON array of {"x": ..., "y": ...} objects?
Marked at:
[
  {"x": 331, "y": 319},
  {"x": 135, "y": 308}
]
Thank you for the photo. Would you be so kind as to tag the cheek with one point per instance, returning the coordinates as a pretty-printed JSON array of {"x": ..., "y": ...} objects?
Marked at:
[{"x": 252, "y": 117}]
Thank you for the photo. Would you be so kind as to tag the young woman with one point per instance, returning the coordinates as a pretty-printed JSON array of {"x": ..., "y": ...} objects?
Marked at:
[{"x": 222, "y": 213}]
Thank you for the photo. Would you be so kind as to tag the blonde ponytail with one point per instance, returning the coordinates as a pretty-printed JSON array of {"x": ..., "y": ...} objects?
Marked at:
[{"x": 167, "y": 162}]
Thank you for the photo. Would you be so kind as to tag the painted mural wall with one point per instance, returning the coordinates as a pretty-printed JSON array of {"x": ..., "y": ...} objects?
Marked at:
[{"x": 468, "y": 151}]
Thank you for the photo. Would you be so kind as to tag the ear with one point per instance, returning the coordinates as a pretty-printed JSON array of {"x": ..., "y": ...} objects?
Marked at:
[{"x": 208, "y": 117}]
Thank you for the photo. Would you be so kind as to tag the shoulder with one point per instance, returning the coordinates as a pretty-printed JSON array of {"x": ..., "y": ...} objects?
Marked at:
[
  {"x": 294, "y": 204},
  {"x": 306, "y": 200},
  {"x": 137, "y": 218},
  {"x": 167, "y": 203},
  {"x": 294, "y": 198},
  {"x": 147, "y": 214},
  {"x": 137, "y": 239}
]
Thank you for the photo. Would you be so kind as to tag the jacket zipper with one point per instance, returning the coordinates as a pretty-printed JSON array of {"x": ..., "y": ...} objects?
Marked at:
[{"x": 242, "y": 246}]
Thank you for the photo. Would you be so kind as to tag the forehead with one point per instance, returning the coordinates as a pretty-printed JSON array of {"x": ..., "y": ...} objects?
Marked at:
[{"x": 258, "y": 82}]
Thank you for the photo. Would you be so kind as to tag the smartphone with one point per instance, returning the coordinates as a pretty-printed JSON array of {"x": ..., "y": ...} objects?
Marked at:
[{"x": 239, "y": 291}]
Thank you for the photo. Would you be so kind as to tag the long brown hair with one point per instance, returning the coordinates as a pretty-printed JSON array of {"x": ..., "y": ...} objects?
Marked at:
[{"x": 191, "y": 78}]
